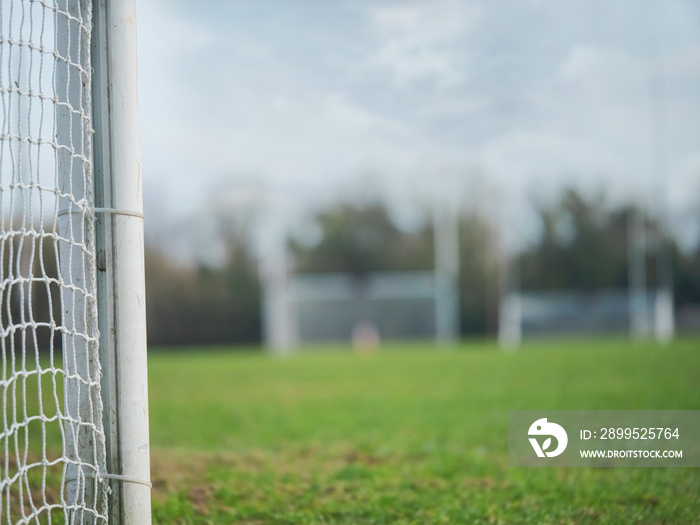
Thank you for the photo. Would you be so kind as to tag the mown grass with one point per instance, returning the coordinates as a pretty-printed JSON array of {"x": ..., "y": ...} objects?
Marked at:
[{"x": 409, "y": 435}]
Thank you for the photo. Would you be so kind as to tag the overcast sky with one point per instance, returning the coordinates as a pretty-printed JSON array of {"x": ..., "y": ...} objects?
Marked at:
[{"x": 308, "y": 95}]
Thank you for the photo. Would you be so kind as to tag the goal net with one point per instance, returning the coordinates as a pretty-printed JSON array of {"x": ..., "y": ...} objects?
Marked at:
[
  {"x": 571, "y": 312},
  {"x": 52, "y": 445},
  {"x": 362, "y": 309}
]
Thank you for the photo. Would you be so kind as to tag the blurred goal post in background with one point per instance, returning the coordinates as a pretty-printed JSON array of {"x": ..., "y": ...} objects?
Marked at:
[{"x": 74, "y": 444}]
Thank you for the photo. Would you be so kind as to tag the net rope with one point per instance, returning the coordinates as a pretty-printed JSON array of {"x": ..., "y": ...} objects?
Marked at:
[{"x": 52, "y": 444}]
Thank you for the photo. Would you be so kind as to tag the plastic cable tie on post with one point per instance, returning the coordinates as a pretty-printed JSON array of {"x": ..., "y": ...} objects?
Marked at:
[{"x": 109, "y": 211}]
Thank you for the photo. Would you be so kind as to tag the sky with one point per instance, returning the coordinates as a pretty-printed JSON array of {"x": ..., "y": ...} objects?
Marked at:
[{"x": 311, "y": 101}]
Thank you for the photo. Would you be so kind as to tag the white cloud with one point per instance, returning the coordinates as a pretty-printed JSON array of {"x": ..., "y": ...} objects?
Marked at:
[
  {"x": 342, "y": 112},
  {"x": 424, "y": 22},
  {"x": 586, "y": 61},
  {"x": 531, "y": 92},
  {"x": 413, "y": 40}
]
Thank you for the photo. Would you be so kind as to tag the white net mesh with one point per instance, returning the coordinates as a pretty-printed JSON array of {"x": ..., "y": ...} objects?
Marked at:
[
  {"x": 342, "y": 307},
  {"x": 52, "y": 446}
]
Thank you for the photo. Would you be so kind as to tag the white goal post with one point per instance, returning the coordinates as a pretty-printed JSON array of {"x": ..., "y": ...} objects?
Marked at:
[{"x": 74, "y": 442}]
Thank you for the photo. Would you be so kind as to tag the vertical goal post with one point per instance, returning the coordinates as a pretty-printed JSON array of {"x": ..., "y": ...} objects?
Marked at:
[
  {"x": 120, "y": 258},
  {"x": 74, "y": 439}
]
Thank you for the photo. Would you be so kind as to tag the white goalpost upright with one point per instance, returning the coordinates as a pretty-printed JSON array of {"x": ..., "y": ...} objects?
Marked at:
[
  {"x": 74, "y": 440},
  {"x": 120, "y": 258},
  {"x": 446, "y": 248}
]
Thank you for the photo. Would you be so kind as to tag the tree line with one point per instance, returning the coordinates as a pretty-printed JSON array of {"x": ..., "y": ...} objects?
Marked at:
[{"x": 581, "y": 244}]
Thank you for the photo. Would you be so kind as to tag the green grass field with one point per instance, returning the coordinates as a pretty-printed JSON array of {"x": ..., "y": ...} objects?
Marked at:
[{"x": 408, "y": 435}]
